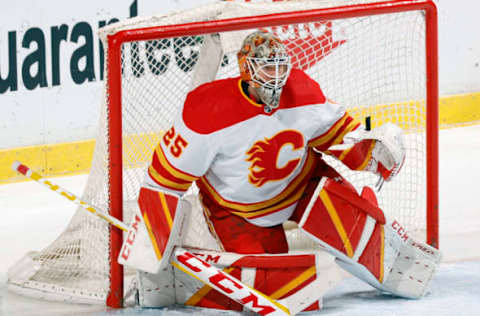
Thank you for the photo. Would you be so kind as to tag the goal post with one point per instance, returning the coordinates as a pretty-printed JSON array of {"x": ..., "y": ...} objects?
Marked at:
[{"x": 380, "y": 59}]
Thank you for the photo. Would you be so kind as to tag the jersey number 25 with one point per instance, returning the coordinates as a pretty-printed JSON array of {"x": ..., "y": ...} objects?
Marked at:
[{"x": 175, "y": 142}]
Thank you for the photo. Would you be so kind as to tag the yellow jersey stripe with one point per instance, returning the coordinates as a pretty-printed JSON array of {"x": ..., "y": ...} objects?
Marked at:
[
  {"x": 175, "y": 172},
  {"x": 347, "y": 129},
  {"x": 168, "y": 183},
  {"x": 294, "y": 198},
  {"x": 326, "y": 137},
  {"x": 260, "y": 205}
]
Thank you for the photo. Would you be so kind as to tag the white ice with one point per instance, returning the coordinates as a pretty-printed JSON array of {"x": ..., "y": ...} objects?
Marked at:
[{"x": 33, "y": 216}]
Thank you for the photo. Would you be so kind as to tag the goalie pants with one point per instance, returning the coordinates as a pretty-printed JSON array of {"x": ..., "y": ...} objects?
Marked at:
[{"x": 235, "y": 234}]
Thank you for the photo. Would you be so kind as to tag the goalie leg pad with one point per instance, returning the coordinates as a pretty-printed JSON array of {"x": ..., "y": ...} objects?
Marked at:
[
  {"x": 355, "y": 231},
  {"x": 156, "y": 290},
  {"x": 339, "y": 217},
  {"x": 408, "y": 265},
  {"x": 298, "y": 281}
]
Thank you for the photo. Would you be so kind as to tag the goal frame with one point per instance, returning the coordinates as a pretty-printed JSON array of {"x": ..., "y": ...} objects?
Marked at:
[{"x": 114, "y": 62}]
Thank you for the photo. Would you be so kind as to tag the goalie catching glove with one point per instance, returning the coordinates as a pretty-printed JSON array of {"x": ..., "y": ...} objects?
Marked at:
[{"x": 382, "y": 150}]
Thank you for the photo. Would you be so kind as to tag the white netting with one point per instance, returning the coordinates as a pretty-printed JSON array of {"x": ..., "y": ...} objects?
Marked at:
[{"x": 375, "y": 65}]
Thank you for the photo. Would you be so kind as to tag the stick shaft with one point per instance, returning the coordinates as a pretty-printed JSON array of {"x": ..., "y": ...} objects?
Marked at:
[
  {"x": 29, "y": 173},
  {"x": 185, "y": 260}
]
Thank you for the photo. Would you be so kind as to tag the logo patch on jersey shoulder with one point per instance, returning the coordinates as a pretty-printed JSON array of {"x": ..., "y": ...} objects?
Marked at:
[{"x": 264, "y": 154}]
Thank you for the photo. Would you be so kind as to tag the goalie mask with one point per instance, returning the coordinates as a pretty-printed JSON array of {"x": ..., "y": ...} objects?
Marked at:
[{"x": 263, "y": 60}]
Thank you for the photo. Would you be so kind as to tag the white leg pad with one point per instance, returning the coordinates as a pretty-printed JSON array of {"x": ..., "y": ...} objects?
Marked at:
[
  {"x": 156, "y": 290},
  {"x": 413, "y": 267},
  {"x": 171, "y": 286},
  {"x": 355, "y": 231},
  {"x": 408, "y": 265}
]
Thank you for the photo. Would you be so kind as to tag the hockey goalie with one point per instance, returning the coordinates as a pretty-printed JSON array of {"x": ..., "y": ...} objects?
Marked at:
[{"x": 253, "y": 145}]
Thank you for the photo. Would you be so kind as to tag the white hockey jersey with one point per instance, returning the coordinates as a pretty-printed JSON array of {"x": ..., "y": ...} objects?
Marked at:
[{"x": 253, "y": 164}]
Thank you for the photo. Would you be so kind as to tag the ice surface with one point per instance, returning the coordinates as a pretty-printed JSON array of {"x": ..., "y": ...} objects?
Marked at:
[{"x": 33, "y": 216}]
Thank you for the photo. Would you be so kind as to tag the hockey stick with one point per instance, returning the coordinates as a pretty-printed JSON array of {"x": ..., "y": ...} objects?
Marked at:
[{"x": 184, "y": 260}]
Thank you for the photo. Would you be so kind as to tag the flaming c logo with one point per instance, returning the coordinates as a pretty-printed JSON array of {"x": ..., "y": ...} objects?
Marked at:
[{"x": 263, "y": 156}]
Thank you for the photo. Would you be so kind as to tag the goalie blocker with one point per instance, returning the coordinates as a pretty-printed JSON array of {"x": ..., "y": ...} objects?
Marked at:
[
  {"x": 156, "y": 229},
  {"x": 378, "y": 251}
]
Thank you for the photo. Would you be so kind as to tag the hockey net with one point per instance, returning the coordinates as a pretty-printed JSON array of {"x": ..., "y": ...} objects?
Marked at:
[{"x": 369, "y": 57}]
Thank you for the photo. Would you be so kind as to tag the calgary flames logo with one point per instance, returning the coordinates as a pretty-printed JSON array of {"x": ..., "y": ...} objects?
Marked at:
[{"x": 263, "y": 156}]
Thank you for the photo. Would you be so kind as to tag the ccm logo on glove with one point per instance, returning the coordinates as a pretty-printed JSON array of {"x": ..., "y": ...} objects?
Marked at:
[{"x": 131, "y": 238}]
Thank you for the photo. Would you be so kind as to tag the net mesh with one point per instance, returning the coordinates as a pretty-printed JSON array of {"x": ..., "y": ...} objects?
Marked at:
[{"x": 374, "y": 65}]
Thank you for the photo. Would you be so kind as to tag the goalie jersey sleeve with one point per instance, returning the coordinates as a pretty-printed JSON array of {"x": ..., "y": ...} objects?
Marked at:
[
  {"x": 180, "y": 158},
  {"x": 356, "y": 156}
]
